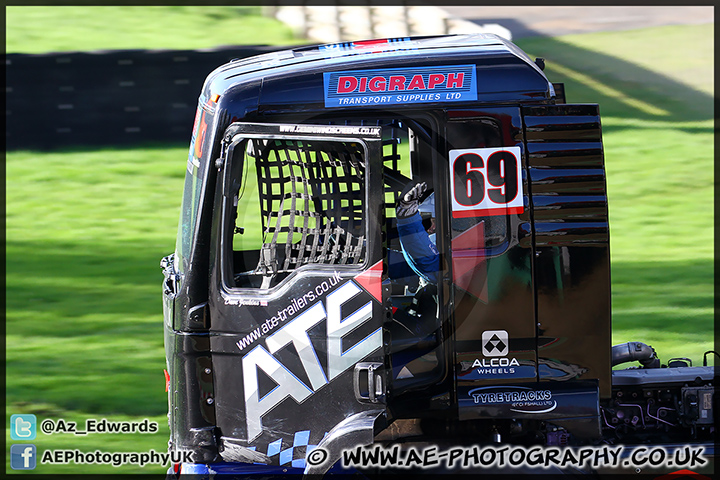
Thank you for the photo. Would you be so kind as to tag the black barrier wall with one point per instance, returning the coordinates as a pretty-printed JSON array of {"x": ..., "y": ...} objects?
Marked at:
[{"x": 107, "y": 98}]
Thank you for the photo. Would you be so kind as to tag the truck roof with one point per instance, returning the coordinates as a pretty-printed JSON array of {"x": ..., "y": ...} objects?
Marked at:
[{"x": 294, "y": 73}]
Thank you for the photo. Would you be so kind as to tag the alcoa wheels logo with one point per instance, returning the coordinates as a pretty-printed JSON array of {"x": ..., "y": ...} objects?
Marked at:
[{"x": 495, "y": 343}]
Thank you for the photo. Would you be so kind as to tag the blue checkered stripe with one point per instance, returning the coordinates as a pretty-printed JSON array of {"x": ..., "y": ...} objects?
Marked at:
[{"x": 293, "y": 455}]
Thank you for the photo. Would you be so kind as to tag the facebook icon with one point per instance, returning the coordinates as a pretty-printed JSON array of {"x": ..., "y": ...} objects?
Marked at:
[{"x": 22, "y": 457}]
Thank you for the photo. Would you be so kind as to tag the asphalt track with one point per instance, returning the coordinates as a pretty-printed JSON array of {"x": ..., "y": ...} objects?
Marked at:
[{"x": 526, "y": 21}]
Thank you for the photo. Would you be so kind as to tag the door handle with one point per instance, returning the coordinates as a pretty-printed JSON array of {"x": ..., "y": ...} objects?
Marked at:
[{"x": 368, "y": 382}]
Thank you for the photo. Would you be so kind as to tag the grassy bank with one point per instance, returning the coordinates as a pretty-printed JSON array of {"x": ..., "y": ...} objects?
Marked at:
[
  {"x": 85, "y": 234},
  {"x": 71, "y": 28},
  {"x": 655, "y": 90}
]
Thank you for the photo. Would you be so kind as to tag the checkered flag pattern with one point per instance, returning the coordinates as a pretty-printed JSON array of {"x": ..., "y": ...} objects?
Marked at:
[
  {"x": 311, "y": 202},
  {"x": 295, "y": 454}
]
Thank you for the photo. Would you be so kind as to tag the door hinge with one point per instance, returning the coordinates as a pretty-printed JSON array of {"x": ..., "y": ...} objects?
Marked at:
[{"x": 172, "y": 278}]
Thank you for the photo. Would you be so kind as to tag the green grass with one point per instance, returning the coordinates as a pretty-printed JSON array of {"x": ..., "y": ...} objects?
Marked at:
[
  {"x": 85, "y": 234},
  {"x": 655, "y": 88},
  {"x": 86, "y": 230},
  {"x": 70, "y": 28}
]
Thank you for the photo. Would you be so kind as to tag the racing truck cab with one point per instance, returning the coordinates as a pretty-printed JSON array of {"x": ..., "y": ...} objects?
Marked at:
[{"x": 293, "y": 320}]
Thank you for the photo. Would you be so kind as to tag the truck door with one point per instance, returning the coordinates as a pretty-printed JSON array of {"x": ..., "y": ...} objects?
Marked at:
[
  {"x": 491, "y": 250},
  {"x": 296, "y": 300}
]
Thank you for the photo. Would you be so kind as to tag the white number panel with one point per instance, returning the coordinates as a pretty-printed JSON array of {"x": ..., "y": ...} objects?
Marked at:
[{"x": 485, "y": 181}]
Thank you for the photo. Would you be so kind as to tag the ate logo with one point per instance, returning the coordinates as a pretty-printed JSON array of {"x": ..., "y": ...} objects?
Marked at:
[{"x": 495, "y": 343}]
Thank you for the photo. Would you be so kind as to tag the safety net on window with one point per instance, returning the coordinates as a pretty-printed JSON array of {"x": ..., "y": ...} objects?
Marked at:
[{"x": 311, "y": 202}]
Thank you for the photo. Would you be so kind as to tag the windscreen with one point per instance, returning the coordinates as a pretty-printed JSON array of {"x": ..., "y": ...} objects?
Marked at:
[{"x": 193, "y": 188}]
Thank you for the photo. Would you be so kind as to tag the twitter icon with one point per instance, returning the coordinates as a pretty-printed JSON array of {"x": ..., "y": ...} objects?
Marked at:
[{"x": 23, "y": 427}]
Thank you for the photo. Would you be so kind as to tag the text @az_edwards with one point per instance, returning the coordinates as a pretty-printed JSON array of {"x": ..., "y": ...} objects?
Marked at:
[{"x": 49, "y": 426}]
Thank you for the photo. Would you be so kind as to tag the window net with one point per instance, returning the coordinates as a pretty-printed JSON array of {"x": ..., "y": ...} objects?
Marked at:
[{"x": 311, "y": 203}]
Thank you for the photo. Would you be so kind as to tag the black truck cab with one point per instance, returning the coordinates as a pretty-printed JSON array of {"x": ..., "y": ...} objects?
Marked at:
[{"x": 291, "y": 319}]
